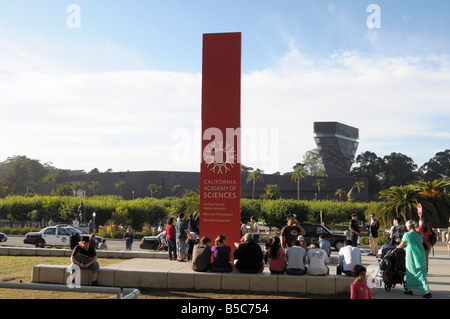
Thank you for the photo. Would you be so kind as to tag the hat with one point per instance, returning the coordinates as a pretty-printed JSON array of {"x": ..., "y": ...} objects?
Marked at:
[
  {"x": 300, "y": 237},
  {"x": 85, "y": 239},
  {"x": 354, "y": 214},
  {"x": 248, "y": 236}
]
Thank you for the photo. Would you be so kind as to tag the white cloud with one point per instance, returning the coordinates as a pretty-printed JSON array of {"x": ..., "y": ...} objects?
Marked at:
[{"x": 136, "y": 120}]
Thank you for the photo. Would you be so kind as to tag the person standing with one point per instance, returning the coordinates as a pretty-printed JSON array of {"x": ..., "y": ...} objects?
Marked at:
[
  {"x": 291, "y": 231},
  {"x": 182, "y": 234},
  {"x": 396, "y": 232},
  {"x": 426, "y": 230},
  {"x": 255, "y": 229},
  {"x": 372, "y": 226},
  {"x": 171, "y": 236},
  {"x": 416, "y": 265},
  {"x": 359, "y": 288},
  {"x": 354, "y": 229},
  {"x": 128, "y": 237}
]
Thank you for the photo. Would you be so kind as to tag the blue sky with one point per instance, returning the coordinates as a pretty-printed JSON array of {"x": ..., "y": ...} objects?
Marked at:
[{"x": 123, "y": 91}]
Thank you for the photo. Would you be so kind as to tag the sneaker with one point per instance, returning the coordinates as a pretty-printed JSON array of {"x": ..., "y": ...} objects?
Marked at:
[{"x": 428, "y": 295}]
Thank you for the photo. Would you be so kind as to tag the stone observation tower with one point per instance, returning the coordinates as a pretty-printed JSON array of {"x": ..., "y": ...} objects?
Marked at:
[{"x": 337, "y": 144}]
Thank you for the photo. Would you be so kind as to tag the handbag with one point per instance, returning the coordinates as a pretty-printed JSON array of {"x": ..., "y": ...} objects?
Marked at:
[{"x": 425, "y": 246}]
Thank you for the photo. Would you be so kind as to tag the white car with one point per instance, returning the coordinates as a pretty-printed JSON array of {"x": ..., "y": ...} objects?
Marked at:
[{"x": 53, "y": 236}]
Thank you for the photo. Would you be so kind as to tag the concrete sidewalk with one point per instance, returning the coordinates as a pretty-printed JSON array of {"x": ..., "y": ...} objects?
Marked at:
[{"x": 438, "y": 277}]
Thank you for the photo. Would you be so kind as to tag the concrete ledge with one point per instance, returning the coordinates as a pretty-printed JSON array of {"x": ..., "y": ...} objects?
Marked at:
[
  {"x": 27, "y": 251},
  {"x": 262, "y": 282}
]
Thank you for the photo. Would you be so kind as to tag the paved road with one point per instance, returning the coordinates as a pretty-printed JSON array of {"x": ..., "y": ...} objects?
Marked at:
[{"x": 113, "y": 244}]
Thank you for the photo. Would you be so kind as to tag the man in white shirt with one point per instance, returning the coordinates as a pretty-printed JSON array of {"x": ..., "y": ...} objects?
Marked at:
[
  {"x": 349, "y": 256},
  {"x": 317, "y": 259}
]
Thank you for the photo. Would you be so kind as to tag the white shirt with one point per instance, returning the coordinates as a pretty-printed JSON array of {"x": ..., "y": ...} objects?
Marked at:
[
  {"x": 317, "y": 259},
  {"x": 349, "y": 256}
]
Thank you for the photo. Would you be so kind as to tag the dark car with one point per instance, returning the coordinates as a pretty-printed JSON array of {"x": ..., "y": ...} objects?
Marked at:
[
  {"x": 54, "y": 236},
  {"x": 154, "y": 242},
  {"x": 314, "y": 231},
  {"x": 3, "y": 237}
]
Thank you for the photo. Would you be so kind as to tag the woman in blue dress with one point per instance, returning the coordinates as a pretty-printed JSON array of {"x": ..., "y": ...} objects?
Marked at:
[{"x": 416, "y": 265}]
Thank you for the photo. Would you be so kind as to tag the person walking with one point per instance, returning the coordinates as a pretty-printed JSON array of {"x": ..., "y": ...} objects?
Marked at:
[
  {"x": 416, "y": 266},
  {"x": 171, "y": 235},
  {"x": 372, "y": 226},
  {"x": 255, "y": 229},
  {"x": 426, "y": 230}
]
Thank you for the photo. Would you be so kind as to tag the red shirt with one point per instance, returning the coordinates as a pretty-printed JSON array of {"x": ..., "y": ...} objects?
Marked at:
[
  {"x": 278, "y": 264},
  {"x": 360, "y": 290},
  {"x": 171, "y": 231},
  {"x": 426, "y": 235}
]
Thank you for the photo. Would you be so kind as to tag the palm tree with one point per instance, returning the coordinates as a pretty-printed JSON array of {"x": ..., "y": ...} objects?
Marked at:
[
  {"x": 254, "y": 177},
  {"x": 359, "y": 185},
  {"x": 398, "y": 201},
  {"x": 319, "y": 183},
  {"x": 297, "y": 175},
  {"x": 434, "y": 199},
  {"x": 153, "y": 188},
  {"x": 271, "y": 192},
  {"x": 120, "y": 185},
  {"x": 339, "y": 193},
  {"x": 95, "y": 187}
]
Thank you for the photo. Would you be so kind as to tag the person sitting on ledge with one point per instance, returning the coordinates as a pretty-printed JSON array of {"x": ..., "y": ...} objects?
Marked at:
[
  {"x": 85, "y": 257},
  {"x": 317, "y": 259},
  {"x": 221, "y": 255},
  {"x": 296, "y": 259},
  {"x": 349, "y": 256},
  {"x": 201, "y": 255},
  {"x": 248, "y": 256}
]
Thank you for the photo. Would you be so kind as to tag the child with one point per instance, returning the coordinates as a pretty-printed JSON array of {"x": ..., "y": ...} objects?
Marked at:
[
  {"x": 359, "y": 288},
  {"x": 103, "y": 245}
]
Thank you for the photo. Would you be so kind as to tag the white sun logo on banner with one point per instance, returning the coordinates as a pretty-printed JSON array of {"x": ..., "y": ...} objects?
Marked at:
[{"x": 213, "y": 156}]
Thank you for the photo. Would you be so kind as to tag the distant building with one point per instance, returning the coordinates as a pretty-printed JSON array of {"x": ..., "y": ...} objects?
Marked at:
[{"x": 337, "y": 144}]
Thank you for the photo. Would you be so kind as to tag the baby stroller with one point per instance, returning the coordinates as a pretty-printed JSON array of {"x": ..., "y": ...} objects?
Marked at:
[{"x": 393, "y": 266}]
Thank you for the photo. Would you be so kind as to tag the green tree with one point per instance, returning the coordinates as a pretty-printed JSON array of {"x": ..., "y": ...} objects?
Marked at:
[
  {"x": 298, "y": 175},
  {"x": 154, "y": 189},
  {"x": 271, "y": 192},
  {"x": 434, "y": 199},
  {"x": 254, "y": 177},
  {"x": 339, "y": 192},
  {"x": 398, "y": 201}
]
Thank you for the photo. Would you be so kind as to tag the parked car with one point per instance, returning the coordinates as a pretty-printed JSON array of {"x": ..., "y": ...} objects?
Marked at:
[
  {"x": 314, "y": 231},
  {"x": 154, "y": 242},
  {"x": 54, "y": 236},
  {"x": 3, "y": 237}
]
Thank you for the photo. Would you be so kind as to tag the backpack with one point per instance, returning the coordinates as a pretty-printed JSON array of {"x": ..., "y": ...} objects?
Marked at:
[{"x": 432, "y": 237}]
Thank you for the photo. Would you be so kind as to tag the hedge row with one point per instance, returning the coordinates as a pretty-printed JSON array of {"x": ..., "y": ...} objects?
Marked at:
[{"x": 142, "y": 211}]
